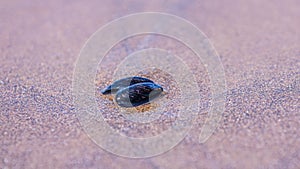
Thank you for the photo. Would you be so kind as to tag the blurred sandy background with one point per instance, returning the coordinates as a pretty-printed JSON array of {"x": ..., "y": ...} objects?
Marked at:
[{"x": 258, "y": 42}]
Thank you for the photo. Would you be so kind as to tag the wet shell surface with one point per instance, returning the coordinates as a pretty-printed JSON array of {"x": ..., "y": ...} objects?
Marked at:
[
  {"x": 123, "y": 83},
  {"x": 138, "y": 94}
]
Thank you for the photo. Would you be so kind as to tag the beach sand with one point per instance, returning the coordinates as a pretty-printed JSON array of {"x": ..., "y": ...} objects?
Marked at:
[{"x": 258, "y": 43}]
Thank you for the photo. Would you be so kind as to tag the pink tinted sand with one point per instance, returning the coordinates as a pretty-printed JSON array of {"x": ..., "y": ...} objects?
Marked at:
[{"x": 258, "y": 42}]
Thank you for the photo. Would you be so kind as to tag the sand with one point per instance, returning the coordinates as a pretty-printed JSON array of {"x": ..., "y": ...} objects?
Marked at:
[{"x": 258, "y": 42}]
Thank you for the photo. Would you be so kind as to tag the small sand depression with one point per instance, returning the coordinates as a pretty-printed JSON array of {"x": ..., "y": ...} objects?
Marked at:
[
  {"x": 142, "y": 108},
  {"x": 160, "y": 112}
]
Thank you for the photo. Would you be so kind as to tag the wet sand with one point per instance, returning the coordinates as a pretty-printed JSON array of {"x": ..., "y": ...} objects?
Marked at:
[{"x": 258, "y": 42}]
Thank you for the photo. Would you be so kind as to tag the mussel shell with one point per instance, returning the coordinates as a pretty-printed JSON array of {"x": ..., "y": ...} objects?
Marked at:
[
  {"x": 138, "y": 94},
  {"x": 122, "y": 83}
]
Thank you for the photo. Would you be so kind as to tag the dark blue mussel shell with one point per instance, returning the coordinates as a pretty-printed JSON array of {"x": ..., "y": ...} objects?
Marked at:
[
  {"x": 122, "y": 83},
  {"x": 138, "y": 94}
]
